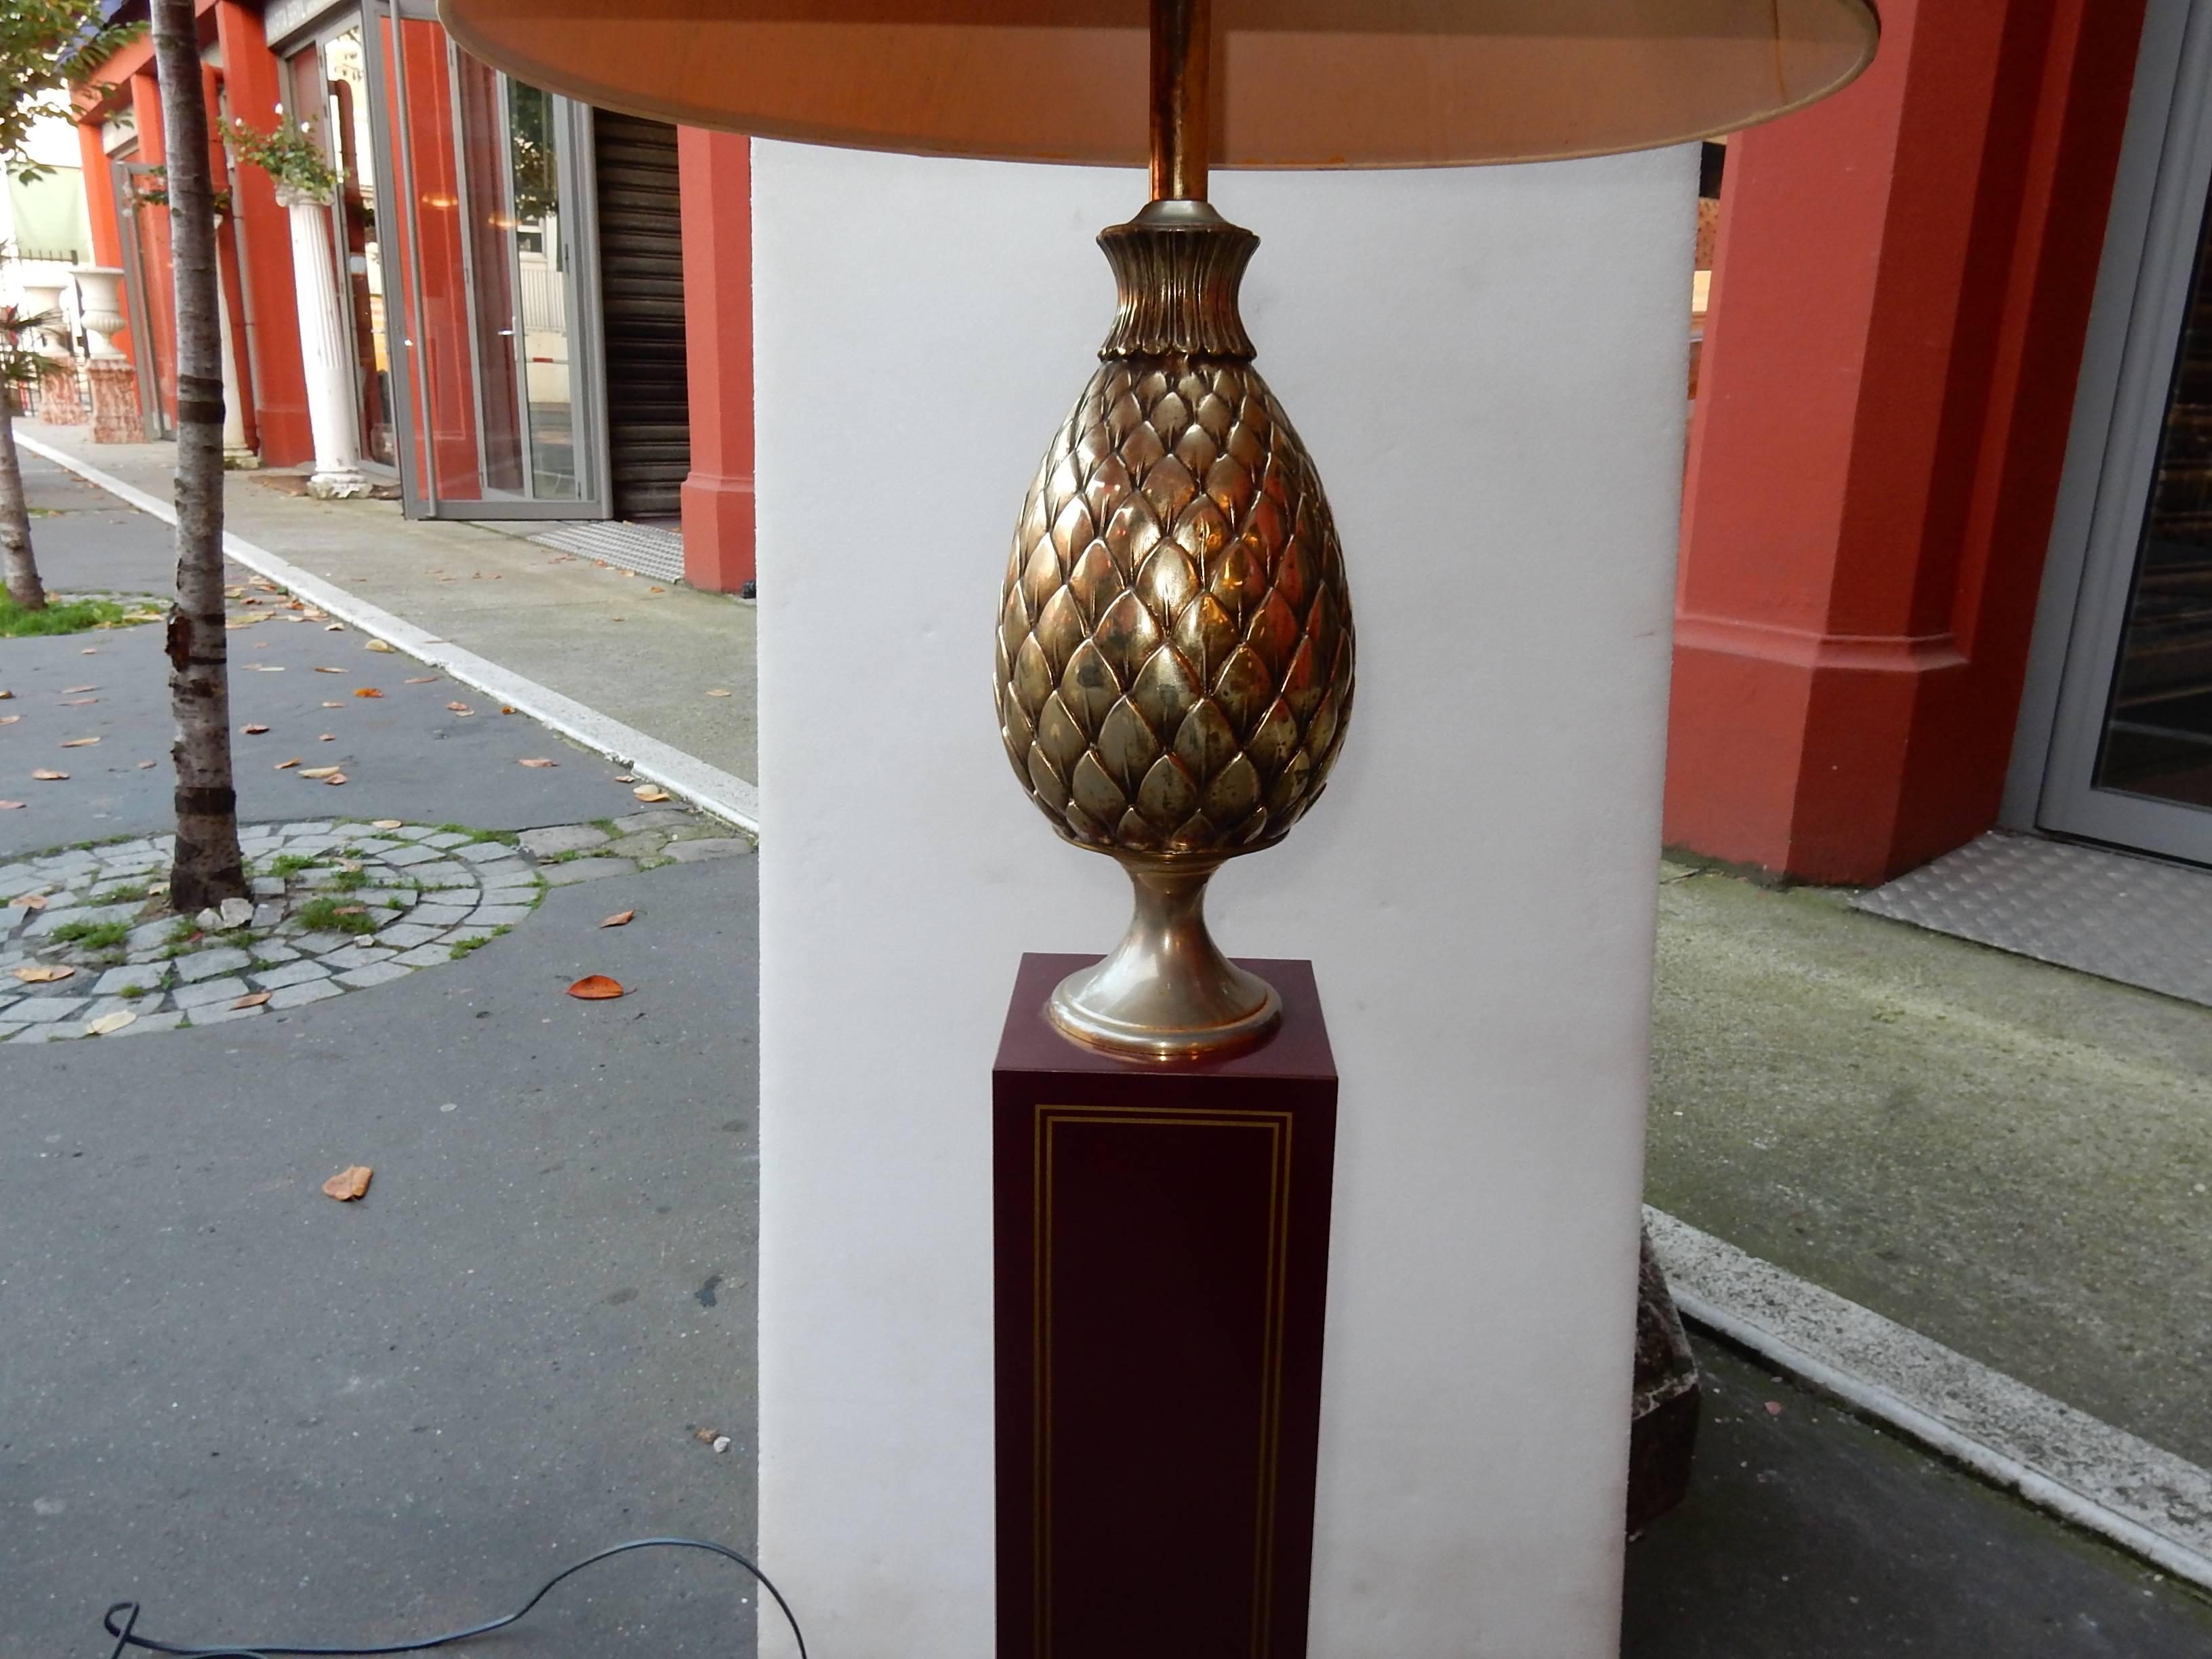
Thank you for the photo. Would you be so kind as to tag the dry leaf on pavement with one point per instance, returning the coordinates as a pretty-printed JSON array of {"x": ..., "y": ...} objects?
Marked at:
[
  {"x": 460, "y": 708},
  {"x": 286, "y": 766},
  {"x": 252, "y": 998},
  {"x": 330, "y": 671},
  {"x": 624, "y": 777},
  {"x": 5, "y": 695},
  {"x": 39, "y": 973},
  {"x": 350, "y": 910},
  {"x": 47, "y": 775},
  {"x": 147, "y": 765},
  {"x": 385, "y": 823},
  {"x": 79, "y": 742},
  {"x": 504, "y": 709},
  {"x": 76, "y": 702},
  {"x": 647, "y": 791},
  {"x": 27, "y": 902},
  {"x": 538, "y": 760},
  {"x": 367, "y": 691},
  {"x": 718, "y": 694},
  {"x": 620, "y": 919},
  {"x": 72, "y": 691},
  {"x": 350, "y": 1183},
  {"x": 335, "y": 779},
  {"x": 334, "y": 628},
  {"x": 327, "y": 736},
  {"x": 376, "y": 644},
  {"x": 319, "y": 772},
  {"x": 595, "y": 988},
  {"x": 423, "y": 679},
  {"x": 254, "y": 731},
  {"x": 10, "y": 805},
  {"x": 106, "y": 1023},
  {"x": 9, "y": 719}
]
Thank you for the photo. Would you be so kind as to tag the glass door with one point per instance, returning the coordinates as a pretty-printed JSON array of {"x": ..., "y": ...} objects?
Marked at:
[
  {"x": 2130, "y": 759},
  {"x": 145, "y": 279},
  {"x": 504, "y": 412}
]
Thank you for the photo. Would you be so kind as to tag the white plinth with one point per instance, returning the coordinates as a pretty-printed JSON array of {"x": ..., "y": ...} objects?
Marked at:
[{"x": 1488, "y": 366}]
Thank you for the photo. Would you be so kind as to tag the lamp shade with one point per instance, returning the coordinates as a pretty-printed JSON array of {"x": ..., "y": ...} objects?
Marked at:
[{"x": 1297, "y": 83}]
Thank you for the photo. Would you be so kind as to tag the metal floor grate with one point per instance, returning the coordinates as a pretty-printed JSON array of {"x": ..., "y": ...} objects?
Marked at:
[
  {"x": 647, "y": 549},
  {"x": 2132, "y": 920}
]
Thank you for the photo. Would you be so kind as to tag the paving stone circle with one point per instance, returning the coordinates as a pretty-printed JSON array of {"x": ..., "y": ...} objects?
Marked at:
[{"x": 336, "y": 906}]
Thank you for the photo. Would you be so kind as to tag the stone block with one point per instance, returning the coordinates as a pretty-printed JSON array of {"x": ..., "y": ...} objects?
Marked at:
[
  {"x": 575, "y": 870},
  {"x": 289, "y": 973},
  {"x": 292, "y": 996},
  {"x": 377, "y": 973},
  {"x": 206, "y": 964},
  {"x": 562, "y": 838},
  {"x": 208, "y": 993}
]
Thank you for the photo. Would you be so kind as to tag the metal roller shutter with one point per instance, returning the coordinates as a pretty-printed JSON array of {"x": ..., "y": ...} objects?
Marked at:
[{"x": 641, "y": 295}]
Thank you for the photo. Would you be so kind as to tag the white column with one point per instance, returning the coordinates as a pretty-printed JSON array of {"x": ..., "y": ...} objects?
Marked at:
[
  {"x": 322, "y": 352},
  {"x": 237, "y": 455},
  {"x": 1486, "y": 365}
]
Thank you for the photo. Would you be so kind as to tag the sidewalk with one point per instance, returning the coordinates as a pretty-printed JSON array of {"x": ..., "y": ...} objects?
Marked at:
[
  {"x": 273, "y": 1416},
  {"x": 614, "y": 641},
  {"x": 2010, "y": 1158}
]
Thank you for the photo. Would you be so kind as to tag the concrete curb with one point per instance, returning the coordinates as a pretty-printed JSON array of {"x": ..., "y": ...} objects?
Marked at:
[
  {"x": 725, "y": 796},
  {"x": 2147, "y": 1501}
]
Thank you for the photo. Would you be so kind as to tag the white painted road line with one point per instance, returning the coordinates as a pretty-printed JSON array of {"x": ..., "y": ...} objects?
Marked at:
[
  {"x": 725, "y": 796},
  {"x": 2146, "y": 1500}
]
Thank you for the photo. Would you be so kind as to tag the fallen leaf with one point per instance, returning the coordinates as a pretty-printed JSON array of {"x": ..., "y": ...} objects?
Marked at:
[
  {"x": 254, "y": 731},
  {"x": 424, "y": 679},
  {"x": 335, "y": 779},
  {"x": 460, "y": 708},
  {"x": 593, "y": 987},
  {"x": 538, "y": 762},
  {"x": 1774, "y": 1408},
  {"x": 27, "y": 902},
  {"x": 620, "y": 919},
  {"x": 330, "y": 671},
  {"x": 335, "y": 628},
  {"x": 504, "y": 709},
  {"x": 9, "y": 719},
  {"x": 286, "y": 766},
  {"x": 89, "y": 651},
  {"x": 320, "y": 772},
  {"x": 39, "y": 973},
  {"x": 718, "y": 694},
  {"x": 79, "y": 742},
  {"x": 367, "y": 691},
  {"x": 268, "y": 667},
  {"x": 74, "y": 702},
  {"x": 45, "y": 776},
  {"x": 327, "y": 736},
  {"x": 656, "y": 590},
  {"x": 333, "y": 705},
  {"x": 376, "y": 644},
  {"x": 106, "y": 1023},
  {"x": 11, "y": 806},
  {"x": 385, "y": 823},
  {"x": 350, "y": 1183},
  {"x": 147, "y": 765},
  {"x": 72, "y": 690},
  {"x": 347, "y": 864},
  {"x": 624, "y": 777},
  {"x": 4, "y": 695},
  {"x": 157, "y": 886},
  {"x": 350, "y": 910},
  {"x": 253, "y": 1000},
  {"x": 647, "y": 791}
]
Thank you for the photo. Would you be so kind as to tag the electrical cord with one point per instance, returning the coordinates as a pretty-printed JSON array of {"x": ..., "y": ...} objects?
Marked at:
[{"x": 126, "y": 1636}]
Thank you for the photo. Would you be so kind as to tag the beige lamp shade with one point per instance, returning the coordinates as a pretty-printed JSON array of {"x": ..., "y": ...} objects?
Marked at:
[{"x": 1297, "y": 83}]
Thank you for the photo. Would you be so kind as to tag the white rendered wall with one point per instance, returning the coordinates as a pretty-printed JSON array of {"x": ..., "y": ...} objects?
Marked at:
[{"x": 1488, "y": 366}]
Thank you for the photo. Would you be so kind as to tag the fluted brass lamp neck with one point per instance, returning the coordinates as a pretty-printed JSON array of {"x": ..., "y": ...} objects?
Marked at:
[{"x": 1178, "y": 267}]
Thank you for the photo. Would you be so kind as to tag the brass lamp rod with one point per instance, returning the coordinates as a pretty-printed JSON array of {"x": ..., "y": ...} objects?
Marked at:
[{"x": 1182, "y": 50}]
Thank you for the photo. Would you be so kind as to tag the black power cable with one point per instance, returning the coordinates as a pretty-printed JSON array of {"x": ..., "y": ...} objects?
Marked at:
[{"x": 126, "y": 1636}]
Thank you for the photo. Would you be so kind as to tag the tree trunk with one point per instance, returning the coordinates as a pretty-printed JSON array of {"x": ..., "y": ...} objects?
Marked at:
[
  {"x": 21, "y": 573},
  {"x": 207, "y": 869}
]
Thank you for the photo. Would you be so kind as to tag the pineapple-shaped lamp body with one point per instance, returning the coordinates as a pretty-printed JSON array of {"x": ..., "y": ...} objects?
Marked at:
[{"x": 1175, "y": 661}]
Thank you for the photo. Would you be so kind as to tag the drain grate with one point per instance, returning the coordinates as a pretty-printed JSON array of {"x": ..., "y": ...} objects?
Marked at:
[{"x": 2133, "y": 920}]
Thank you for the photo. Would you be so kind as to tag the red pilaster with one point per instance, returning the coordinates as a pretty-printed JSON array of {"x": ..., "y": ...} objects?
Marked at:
[
  {"x": 155, "y": 275},
  {"x": 716, "y": 171},
  {"x": 98, "y": 194},
  {"x": 262, "y": 232},
  {"x": 1898, "y": 296}
]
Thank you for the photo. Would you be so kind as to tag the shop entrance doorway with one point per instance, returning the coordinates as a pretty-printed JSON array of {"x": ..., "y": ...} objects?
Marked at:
[{"x": 2128, "y": 748}]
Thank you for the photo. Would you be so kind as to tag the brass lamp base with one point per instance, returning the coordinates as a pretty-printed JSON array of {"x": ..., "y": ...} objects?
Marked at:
[{"x": 1167, "y": 992}]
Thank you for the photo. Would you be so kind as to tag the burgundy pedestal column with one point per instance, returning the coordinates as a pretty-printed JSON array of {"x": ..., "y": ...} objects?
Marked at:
[{"x": 1162, "y": 1259}]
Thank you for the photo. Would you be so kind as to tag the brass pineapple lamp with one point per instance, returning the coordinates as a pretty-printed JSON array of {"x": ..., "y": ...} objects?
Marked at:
[{"x": 1175, "y": 639}]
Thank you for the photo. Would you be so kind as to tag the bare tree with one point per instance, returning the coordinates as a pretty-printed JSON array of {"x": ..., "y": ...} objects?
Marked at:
[
  {"x": 207, "y": 868},
  {"x": 19, "y": 367}
]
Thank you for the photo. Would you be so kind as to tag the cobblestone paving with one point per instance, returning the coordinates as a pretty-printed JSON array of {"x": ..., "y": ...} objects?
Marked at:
[{"x": 89, "y": 948}]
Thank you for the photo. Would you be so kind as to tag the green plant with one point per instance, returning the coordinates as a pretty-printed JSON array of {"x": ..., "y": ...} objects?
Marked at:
[
  {"x": 462, "y": 947},
  {"x": 92, "y": 935},
  {"x": 132, "y": 993},
  {"x": 349, "y": 881},
  {"x": 292, "y": 156},
  {"x": 290, "y": 864},
  {"x": 326, "y": 916},
  {"x": 18, "y": 622},
  {"x": 152, "y": 190}
]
